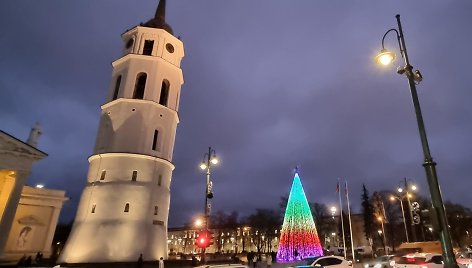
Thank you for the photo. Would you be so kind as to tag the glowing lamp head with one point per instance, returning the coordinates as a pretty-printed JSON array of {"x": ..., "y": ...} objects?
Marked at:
[
  {"x": 413, "y": 187},
  {"x": 199, "y": 222},
  {"x": 400, "y": 190},
  {"x": 385, "y": 57},
  {"x": 379, "y": 218},
  {"x": 214, "y": 160},
  {"x": 203, "y": 166},
  {"x": 39, "y": 186},
  {"x": 392, "y": 198}
]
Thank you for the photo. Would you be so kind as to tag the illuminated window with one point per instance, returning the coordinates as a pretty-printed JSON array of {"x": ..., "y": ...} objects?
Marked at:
[
  {"x": 117, "y": 88},
  {"x": 155, "y": 210},
  {"x": 148, "y": 44},
  {"x": 93, "y": 208},
  {"x": 135, "y": 175},
  {"x": 140, "y": 86},
  {"x": 102, "y": 176},
  {"x": 164, "y": 93},
  {"x": 154, "y": 140},
  {"x": 159, "y": 180},
  {"x": 127, "y": 207}
]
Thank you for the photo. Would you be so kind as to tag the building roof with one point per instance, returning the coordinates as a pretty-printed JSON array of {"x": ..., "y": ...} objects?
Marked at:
[{"x": 24, "y": 144}]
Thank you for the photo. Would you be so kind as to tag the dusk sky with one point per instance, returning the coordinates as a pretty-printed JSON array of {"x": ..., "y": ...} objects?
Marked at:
[{"x": 268, "y": 84}]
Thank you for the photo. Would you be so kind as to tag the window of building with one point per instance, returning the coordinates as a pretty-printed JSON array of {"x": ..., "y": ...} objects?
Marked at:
[
  {"x": 154, "y": 140},
  {"x": 156, "y": 209},
  {"x": 164, "y": 93},
  {"x": 117, "y": 87},
  {"x": 159, "y": 180},
  {"x": 127, "y": 207},
  {"x": 148, "y": 45},
  {"x": 129, "y": 43},
  {"x": 102, "y": 176},
  {"x": 135, "y": 175},
  {"x": 93, "y": 208},
  {"x": 140, "y": 86}
]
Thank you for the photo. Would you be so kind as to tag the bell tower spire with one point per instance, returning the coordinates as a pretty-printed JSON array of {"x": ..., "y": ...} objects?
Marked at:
[
  {"x": 161, "y": 11},
  {"x": 159, "y": 20}
]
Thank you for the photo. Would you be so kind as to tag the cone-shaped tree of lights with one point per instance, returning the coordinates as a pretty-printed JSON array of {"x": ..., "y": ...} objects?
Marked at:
[{"x": 298, "y": 238}]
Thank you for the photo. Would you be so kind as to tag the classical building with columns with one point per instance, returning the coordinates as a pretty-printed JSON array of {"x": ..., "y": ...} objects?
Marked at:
[{"x": 28, "y": 216}]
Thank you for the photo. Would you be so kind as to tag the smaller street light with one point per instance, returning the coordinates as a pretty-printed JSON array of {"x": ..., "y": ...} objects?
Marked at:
[
  {"x": 392, "y": 198},
  {"x": 209, "y": 159},
  {"x": 383, "y": 232}
]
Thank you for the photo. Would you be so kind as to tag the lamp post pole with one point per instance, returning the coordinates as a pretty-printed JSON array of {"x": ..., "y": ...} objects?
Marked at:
[
  {"x": 208, "y": 159},
  {"x": 429, "y": 165},
  {"x": 207, "y": 212},
  {"x": 403, "y": 215}
]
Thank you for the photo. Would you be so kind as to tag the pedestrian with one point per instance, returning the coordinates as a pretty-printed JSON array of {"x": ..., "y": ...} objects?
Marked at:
[
  {"x": 29, "y": 261},
  {"x": 39, "y": 257},
  {"x": 194, "y": 261},
  {"x": 161, "y": 262},
  {"x": 269, "y": 260},
  {"x": 249, "y": 257},
  {"x": 139, "y": 263},
  {"x": 254, "y": 261},
  {"x": 21, "y": 262}
]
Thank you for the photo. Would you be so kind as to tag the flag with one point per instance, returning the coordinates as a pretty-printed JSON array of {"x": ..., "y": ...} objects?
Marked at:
[{"x": 337, "y": 187}]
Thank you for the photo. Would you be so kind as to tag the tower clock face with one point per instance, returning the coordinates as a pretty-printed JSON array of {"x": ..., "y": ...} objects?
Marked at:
[{"x": 170, "y": 48}]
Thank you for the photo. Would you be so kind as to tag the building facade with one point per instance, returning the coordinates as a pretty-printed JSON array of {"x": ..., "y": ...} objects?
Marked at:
[
  {"x": 28, "y": 216},
  {"x": 16, "y": 160},
  {"x": 34, "y": 223},
  {"x": 123, "y": 210}
]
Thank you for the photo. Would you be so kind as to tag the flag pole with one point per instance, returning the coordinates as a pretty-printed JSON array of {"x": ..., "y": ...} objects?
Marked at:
[
  {"x": 350, "y": 224},
  {"x": 341, "y": 218}
]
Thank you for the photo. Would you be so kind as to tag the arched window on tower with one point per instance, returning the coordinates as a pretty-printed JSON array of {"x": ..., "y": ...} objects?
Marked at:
[
  {"x": 127, "y": 207},
  {"x": 164, "y": 93},
  {"x": 117, "y": 88},
  {"x": 140, "y": 86}
]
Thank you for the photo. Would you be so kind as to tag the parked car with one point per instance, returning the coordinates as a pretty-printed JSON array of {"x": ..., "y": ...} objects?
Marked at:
[
  {"x": 325, "y": 262},
  {"x": 464, "y": 259},
  {"x": 380, "y": 262},
  {"x": 232, "y": 265},
  {"x": 420, "y": 260}
]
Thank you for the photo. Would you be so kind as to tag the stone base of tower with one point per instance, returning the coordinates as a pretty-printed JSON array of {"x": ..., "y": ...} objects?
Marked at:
[
  {"x": 102, "y": 244},
  {"x": 123, "y": 211}
]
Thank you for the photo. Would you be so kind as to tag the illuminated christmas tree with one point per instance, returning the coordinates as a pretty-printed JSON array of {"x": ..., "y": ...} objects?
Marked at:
[{"x": 298, "y": 238}]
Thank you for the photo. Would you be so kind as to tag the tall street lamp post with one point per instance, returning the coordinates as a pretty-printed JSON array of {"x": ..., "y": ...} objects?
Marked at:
[
  {"x": 403, "y": 214},
  {"x": 383, "y": 232},
  {"x": 437, "y": 209},
  {"x": 209, "y": 159},
  {"x": 407, "y": 194}
]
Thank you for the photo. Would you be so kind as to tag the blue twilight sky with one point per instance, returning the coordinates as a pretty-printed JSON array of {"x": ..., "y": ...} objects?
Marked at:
[{"x": 268, "y": 84}]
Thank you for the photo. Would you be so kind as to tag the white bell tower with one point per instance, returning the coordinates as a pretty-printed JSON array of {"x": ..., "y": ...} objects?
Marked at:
[{"x": 123, "y": 210}]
